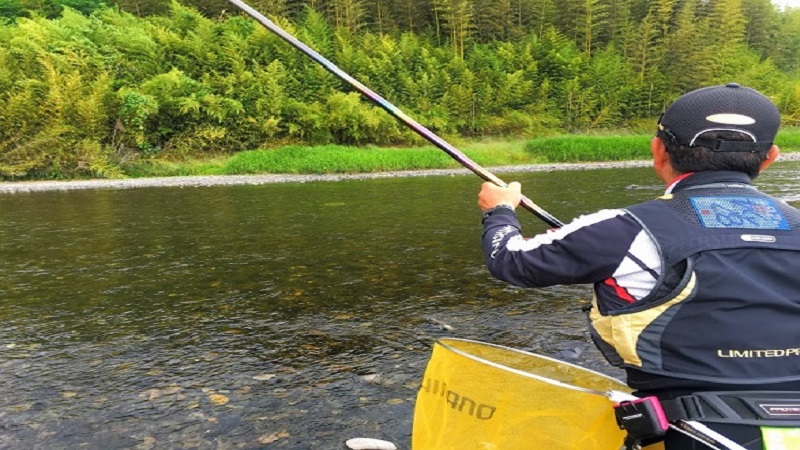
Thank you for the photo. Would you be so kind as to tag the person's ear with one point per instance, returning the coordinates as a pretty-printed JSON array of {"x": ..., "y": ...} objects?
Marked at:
[
  {"x": 661, "y": 163},
  {"x": 772, "y": 156}
]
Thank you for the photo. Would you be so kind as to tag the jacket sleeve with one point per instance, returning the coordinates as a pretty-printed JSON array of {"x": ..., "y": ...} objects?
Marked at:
[{"x": 587, "y": 250}]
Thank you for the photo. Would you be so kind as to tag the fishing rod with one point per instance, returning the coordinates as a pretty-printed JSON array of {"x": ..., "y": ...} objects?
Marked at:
[{"x": 456, "y": 154}]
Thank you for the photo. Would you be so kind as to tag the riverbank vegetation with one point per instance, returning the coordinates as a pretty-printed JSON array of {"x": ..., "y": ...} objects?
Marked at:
[
  {"x": 345, "y": 159},
  {"x": 92, "y": 89}
]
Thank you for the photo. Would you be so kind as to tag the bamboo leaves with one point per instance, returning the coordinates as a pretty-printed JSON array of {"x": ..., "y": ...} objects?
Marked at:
[{"x": 81, "y": 94}]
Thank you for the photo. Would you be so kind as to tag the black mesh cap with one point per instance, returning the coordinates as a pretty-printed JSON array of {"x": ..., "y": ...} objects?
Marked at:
[{"x": 721, "y": 108}]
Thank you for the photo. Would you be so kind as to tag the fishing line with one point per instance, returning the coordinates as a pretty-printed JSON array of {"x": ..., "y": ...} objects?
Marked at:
[{"x": 454, "y": 153}]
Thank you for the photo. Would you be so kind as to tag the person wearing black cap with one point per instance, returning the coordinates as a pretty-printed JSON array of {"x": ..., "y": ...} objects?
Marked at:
[{"x": 697, "y": 292}]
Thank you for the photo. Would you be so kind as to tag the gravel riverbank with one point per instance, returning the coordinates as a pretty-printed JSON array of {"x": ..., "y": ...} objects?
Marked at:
[{"x": 230, "y": 180}]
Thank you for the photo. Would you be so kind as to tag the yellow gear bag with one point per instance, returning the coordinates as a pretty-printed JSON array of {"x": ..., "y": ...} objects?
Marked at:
[{"x": 479, "y": 396}]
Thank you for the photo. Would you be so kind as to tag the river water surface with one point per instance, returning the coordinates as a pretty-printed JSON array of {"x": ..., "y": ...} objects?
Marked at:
[{"x": 286, "y": 316}]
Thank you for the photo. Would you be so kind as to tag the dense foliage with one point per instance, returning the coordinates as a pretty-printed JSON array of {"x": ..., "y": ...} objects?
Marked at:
[{"x": 87, "y": 86}]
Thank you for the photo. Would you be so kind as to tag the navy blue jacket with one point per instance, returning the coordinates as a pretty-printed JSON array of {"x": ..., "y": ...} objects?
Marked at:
[{"x": 683, "y": 284}]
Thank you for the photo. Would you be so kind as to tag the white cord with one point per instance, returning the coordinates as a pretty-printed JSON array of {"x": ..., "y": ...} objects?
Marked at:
[{"x": 703, "y": 430}]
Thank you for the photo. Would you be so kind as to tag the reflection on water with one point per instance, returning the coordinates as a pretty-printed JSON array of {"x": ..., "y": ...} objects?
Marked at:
[{"x": 279, "y": 316}]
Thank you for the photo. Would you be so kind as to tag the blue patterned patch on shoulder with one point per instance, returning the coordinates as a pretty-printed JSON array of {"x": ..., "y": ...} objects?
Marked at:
[{"x": 739, "y": 212}]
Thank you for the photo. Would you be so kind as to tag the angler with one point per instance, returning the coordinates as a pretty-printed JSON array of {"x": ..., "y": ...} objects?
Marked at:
[{"x": 712, "y": 264}]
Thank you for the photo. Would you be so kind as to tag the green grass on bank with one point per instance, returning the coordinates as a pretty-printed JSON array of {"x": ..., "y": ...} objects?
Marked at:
[
  {"x": 342, "y": 159},
  {"x": 338, "y": 159},
  {"x": 335, "y": 159},
  {"x": 591, "y": 148},
  {"x": 788, "y": 139},
  {"x": 620, "y": 148}
]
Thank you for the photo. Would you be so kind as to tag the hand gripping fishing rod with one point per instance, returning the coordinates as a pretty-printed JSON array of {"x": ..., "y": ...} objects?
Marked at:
[{"x": 456, "y": 154}]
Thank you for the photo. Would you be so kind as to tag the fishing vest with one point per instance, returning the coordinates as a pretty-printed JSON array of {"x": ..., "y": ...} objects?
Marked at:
[{"x": 732, "y": 315}]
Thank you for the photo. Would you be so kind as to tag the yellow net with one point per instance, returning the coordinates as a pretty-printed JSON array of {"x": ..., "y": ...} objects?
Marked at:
[{"x": 478, "y": 396}]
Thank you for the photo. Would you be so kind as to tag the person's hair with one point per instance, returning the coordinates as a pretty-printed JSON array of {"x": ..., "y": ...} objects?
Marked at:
[{"x": 685, "y": 159}]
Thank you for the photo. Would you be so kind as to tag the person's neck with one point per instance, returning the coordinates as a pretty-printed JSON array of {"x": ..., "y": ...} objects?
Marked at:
[
  {"x": 677, "y": 179},
  {"x": 700, "y": 178}
]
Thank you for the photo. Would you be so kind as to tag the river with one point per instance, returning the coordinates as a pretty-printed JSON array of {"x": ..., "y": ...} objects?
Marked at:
[{"x": 286, "y": 316}]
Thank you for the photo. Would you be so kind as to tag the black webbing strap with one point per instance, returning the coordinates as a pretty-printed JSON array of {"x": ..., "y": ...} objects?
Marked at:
[
  {"x": 683, "y": 408},
  {"x": 759, "y": 408},
  {"x": 718, "y": 145}
]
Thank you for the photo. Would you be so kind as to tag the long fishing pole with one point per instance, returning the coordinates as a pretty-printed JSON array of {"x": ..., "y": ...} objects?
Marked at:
[{"x": 456, "y": 154}]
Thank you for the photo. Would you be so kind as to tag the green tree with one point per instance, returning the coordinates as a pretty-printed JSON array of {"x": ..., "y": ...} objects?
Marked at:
[
  {"x": 592, "y": 21},
  {"x": 725, "y": 30},
  {"x": 760, "y": 30},
  {"x": 609, "y": 76},
  {"x": 270, "y": 8},
  {"x": 619, "y": 23},
  {"x": 85, "y": 7},
  {"x": 454, "y": 16},
  {"x": 11, "y": 9},
  {"x": 535, "y": 15},
  {"x": 144, "y": 8},
  {"x": 184, "y": 104},
  {"x": 411, "y": 15},
  {"x": 495, "y": 20},
  {"x": 787, "y": 54},
  {"x": 380, "y": 16},
  {"x": 647, "y": 56},
  {"x": 686, "y": 49},
  {"x": 347, "y": 14}
]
